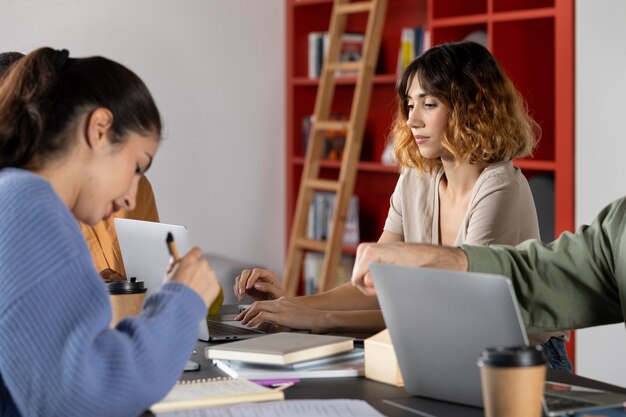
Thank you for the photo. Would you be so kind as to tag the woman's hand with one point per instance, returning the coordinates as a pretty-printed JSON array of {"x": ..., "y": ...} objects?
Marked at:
[
  {"x": 284, "y": 312},
  {"x": 194, "y": 271},
  {"x": 258, "y": 283}
]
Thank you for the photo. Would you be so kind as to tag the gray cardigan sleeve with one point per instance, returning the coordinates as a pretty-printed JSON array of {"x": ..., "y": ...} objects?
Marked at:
[{"x": 574, "y": 282}]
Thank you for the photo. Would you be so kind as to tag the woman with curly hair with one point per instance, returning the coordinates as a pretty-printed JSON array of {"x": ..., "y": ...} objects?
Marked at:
[{"x": 460, "y": 123}]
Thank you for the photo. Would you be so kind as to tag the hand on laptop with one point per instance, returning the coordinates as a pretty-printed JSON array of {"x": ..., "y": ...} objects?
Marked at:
[
  {"x": 194, "y": 271},
  {"x": 283, "y": 312},
  {"x": 400, "y": 253},
  {"x": 258, "y": 283}
]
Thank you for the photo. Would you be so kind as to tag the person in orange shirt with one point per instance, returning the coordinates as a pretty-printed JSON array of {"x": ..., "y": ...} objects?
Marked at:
[{"x": 102, "y": 238}]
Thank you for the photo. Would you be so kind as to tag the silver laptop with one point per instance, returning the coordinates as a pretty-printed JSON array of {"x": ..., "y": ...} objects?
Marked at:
[
  {"x": 440, "y": 322},
  {"x": 146, "y": 257}
]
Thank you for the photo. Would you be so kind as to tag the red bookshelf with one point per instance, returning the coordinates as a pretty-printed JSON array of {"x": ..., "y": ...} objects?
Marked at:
[{"x": 532, "y": 39}]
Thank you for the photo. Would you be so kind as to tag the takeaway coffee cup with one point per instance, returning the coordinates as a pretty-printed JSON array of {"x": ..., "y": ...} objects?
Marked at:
[
  {"x": 512, "y": 381},
  {"x": 126, "y": 298}
]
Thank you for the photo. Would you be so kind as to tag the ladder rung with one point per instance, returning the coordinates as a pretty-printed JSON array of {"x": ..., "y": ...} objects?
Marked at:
[
  {"x": 324, "y": 185},
  {"x": 348, "y": 8},
  {"x": 331, "y": 125},
  {"x": 344, "y": 66},
  {"x": 316, "y": 245}
]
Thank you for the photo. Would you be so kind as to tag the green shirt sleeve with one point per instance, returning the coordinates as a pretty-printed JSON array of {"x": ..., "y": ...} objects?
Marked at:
[{"x": 576, "y": 281}]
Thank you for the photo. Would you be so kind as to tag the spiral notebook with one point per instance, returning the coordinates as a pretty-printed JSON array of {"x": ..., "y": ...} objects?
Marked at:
[{"x": 201, "y": 393}]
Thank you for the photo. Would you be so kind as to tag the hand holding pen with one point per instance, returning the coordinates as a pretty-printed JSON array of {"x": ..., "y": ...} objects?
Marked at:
[{"x": 193, "y": 271}]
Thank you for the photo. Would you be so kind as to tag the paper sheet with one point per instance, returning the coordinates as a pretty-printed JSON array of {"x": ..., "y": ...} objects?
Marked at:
[{"x": 291, "y": 408}]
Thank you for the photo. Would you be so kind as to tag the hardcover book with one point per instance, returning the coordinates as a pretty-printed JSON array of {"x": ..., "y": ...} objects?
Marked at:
[{"x": 281, "y": 348}]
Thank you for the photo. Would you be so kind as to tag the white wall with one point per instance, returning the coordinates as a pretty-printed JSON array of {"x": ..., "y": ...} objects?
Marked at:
[
  {"x": 216, "y": 69},
  {"x": 600, "y": 154}
]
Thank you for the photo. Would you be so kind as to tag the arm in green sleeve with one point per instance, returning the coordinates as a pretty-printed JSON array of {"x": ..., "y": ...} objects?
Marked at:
[{"x": 576, "y": 281}]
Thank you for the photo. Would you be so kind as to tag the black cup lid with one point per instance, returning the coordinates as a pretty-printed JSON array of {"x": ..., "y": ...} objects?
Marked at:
[
  {"x": 513, "y": 356},
  {"x": 131, "y": 286}
]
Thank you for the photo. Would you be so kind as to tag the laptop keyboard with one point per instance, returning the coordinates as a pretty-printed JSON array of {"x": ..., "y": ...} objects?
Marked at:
[
  {"x": 217, "y": 329},
  {"x": 556, "y": 403}
]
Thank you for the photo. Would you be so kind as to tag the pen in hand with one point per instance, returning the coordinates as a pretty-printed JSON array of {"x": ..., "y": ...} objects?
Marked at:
[{"x": 171, "y": 246}]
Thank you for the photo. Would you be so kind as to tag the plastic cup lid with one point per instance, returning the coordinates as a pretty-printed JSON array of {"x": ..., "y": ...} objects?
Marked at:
[
  {"x": 131, "y": 286},
  {"x": 513, "y": 356}
]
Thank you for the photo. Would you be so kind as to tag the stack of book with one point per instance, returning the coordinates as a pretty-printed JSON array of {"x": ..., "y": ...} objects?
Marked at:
[
  {"x": 321, "y": 214},
  {"x": 289, "y": 355}
]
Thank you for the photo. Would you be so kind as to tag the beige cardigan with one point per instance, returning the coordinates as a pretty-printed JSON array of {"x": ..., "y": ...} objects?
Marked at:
[{"x": 501, "y": 210}]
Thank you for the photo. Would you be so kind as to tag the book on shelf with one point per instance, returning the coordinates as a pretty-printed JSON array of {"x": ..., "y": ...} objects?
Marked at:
[
  {"x": 351, "y": 50},
  {"x": 321, "y": 215},
  {"x": 413, "y": 41},
  {"x": 281, "y": 348},
  {"x": 334, "y": 139},
  {"x": 343, "y": 365},
  {"x": 312, "y": 270},
  {"x": 315, "y": 54},
  {"x": 201, "y": 393}
]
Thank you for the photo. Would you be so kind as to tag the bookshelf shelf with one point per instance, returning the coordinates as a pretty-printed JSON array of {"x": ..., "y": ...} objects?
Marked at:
[
  {"x": 297, "y": 3},
  {"x": 314, "y": 82},
  {"x": 493, "y": 17},
  {"x": 536, "y": 165}
]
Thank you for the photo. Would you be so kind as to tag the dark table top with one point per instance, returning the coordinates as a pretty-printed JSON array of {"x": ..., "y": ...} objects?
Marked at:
[
  {"x": 388, "y": 399},
  {"x": 379, "y": 395}
]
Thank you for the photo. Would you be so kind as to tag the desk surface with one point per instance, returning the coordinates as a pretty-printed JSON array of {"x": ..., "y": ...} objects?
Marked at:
[{"x": 376, "y": 394}]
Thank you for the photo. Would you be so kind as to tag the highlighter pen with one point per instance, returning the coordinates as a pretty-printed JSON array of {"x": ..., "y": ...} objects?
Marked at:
[{"x": 171, "y": 246}]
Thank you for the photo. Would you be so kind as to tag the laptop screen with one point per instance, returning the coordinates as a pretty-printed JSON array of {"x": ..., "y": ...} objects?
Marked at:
[{"x": 144, "y": 250}]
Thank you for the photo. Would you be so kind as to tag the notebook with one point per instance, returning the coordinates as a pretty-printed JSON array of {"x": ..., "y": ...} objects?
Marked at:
[
  {"x": 211, "y": 392},
  {"x": 146, "y": 257},
  {"x": 281, "y": 348},
  {"x": 440, "y": 322}
]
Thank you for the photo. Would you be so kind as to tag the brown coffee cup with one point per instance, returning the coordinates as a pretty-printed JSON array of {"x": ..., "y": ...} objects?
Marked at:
[
  {"x": 512, "y": 380},
  {"x": 126, "y": 298}
]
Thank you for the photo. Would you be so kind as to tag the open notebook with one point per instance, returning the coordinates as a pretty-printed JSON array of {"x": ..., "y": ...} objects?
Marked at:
[{"x": 211, "y": 392}]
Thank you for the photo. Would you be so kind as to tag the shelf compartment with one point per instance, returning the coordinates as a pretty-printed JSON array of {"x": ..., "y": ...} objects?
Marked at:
[
  {"x": 456, "y": 33},
  {"x": 525, "y": 49},
  {"x": 373, "y": 189},
  {"x": 314, "y": 18},
  {"x": 403, "y": 13}
]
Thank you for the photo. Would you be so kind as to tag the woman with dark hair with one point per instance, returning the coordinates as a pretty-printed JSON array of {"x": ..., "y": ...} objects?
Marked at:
[
  {"x": 75, "y": 137},
  {"x": 460, "y": 123}
]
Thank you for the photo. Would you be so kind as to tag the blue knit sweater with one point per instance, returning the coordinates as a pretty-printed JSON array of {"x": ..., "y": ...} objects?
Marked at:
[{"x": 58, "y": 356}]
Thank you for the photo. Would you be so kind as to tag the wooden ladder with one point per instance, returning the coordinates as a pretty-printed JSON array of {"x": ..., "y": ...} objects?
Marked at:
[{"x": 354, "y": 127}]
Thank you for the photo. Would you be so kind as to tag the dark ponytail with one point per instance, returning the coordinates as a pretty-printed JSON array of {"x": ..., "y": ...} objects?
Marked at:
[{"x": 45, "y": 93}]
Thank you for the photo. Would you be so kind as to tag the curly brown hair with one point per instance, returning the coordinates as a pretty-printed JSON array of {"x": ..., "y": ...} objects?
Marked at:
[{"x": 489, "y": 120}]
